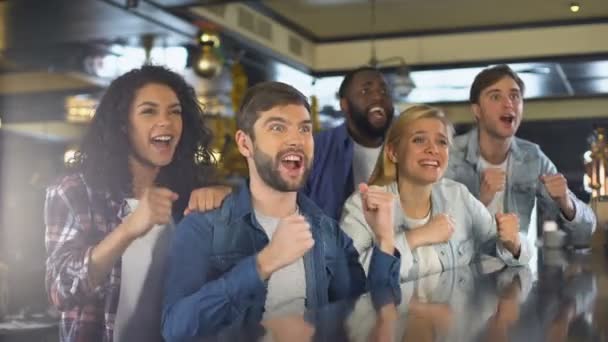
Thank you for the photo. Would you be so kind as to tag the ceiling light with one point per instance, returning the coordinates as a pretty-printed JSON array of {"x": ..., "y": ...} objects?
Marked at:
[
  {"x": 402, "y": 84},
  {"x": 575, "y": 7},
  {"x": 208, "y": 63},
  {"x": 69, "y": 156}
]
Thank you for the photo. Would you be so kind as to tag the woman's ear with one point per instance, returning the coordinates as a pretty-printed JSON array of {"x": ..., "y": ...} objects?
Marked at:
[{"x": 391, "y": 153}]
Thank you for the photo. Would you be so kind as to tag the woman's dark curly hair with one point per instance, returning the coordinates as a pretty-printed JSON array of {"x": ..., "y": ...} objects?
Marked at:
[{"x": 105, "y": 149}]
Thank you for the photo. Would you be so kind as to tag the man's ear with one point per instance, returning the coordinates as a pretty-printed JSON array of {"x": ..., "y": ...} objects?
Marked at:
[
  {"x": 344, "y": 106},
  {"x": 244, "y": 143},
  {"x": 476, "y": 109}
]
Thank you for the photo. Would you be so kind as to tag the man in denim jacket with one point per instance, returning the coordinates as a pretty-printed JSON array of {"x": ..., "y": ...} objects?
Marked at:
[
  {"x": 267, "y": 250},
  {"x": 508, "y": 174}
]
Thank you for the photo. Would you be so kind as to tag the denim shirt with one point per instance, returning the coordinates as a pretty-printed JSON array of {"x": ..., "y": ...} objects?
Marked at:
[
  {"x": 213, "y": 280},
  {"x": 331, "y": 179},
  {"x": 474, "y": 231},
  {"x": 523, "y": 188}
]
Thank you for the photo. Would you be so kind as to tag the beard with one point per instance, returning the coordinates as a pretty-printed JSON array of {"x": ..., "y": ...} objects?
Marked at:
[
  {"x": 362, "y": 123},
  {"x": 268, "y": 169}
]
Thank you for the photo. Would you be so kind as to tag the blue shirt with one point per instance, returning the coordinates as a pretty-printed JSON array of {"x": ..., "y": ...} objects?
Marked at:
[
  {"x": 331, "y": 180},
  {"x": 213, "y": 281}
]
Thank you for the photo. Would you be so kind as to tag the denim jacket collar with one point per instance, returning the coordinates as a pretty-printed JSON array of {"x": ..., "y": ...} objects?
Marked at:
[
  {"x": 473, "y": 152},
  {"x": 243, "y": 206},
  {"x": 437, "y": 199}
]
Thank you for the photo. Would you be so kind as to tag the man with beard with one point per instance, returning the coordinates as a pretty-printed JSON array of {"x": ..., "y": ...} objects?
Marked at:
[
  {"x": 508, "y": 174},
  {"x": 268, "y": 250},
  {"x": 346, "y": 155}
]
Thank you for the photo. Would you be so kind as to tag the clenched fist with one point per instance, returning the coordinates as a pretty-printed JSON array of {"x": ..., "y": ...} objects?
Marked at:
[
  {"x": 557, "y": 187},
  {"x": 379, "y": 211},
  {"x": 493, "y": 180},
  {"x": 290, "y": 241},
  {"x": 439, "y": 229},
  {"x": 155, "y": 207},
  {"x": 508, "y": 232}
]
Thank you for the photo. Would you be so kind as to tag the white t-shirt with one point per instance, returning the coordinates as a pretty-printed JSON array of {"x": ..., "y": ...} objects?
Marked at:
[
  {"x": 287, "y": 286},
  {"x": 428, "y": 259},
  {"x": 364, "y": 161},
  {"x": 141, "y": 284},
  {"x": 497, "y": 204}
]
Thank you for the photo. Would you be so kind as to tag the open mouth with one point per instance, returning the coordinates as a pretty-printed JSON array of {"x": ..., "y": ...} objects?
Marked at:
[
  {"x": 429, "y": 163},
  {"x": 292, "y": 161},
  {"x": 162, "y": 141},
  {"x": 508, "y": 119},
  {"x": 377, "y": 111}
]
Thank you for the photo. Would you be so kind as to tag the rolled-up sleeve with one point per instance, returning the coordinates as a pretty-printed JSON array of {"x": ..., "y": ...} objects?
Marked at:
[{"x": 68, "y": 247}]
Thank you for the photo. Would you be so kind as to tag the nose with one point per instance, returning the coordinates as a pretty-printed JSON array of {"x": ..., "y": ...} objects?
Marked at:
[
  {"x": 164, "y": 120},
  {"x": 377, "y": 94},
  {"x": 432, "y": 148},
  {"x": 294, "y": 138},
  {"x": 508, "y": 102}
]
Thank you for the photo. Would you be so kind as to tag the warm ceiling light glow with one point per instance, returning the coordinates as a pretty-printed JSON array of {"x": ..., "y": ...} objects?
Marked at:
[
  {"x": 69, "y": 155},
  {"x": 575, "y": 7}
]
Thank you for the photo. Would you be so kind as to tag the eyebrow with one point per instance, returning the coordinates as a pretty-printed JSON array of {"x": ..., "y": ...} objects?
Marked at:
[
  {"x": 425, "y": 132},
  {"x": 282, "y": 120},
  {"x": 274, "y": 119},
  {"x": 512, "y": 90},
  {"x": 154, "y": 104}
]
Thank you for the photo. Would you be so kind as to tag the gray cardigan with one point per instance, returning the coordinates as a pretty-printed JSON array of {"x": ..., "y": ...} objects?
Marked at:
[{"x": 474, "y": 234}]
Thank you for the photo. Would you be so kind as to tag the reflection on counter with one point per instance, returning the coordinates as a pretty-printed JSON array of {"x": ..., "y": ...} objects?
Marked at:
[{"x": 481, "y": 302}]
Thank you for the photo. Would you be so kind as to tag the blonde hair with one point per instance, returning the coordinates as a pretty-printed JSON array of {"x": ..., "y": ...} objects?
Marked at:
[{"x": 385, "y": 171}]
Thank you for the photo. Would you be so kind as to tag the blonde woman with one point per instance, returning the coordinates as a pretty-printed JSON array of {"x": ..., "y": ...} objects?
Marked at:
[{"x": 437, "y": 223}]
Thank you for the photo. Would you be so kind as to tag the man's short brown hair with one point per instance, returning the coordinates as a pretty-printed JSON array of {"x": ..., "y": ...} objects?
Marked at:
[
  {"x": 265, "y": 96},
  {"x": 489, "y": 76}
]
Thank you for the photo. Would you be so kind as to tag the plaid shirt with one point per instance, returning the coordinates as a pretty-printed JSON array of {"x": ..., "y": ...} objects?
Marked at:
[{"x": 77, "y": 218}]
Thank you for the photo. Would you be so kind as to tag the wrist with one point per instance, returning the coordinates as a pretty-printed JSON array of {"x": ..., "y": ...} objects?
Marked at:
[
  {"x": 514, "y": 247},
  {"x": 567, "y": 207},
  {"x": 412, "y": 238},
  {"x": 486, "y": 198},
  {"x": 387, "y": 245},
  {"x": 264, "y": 264},
  {"x": 126, "y": 230}
]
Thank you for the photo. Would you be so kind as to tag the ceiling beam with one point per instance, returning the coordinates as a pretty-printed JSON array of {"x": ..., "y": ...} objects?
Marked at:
[
  {"x": 481, "y": 47},
  {"x": 420, "y": 51}
]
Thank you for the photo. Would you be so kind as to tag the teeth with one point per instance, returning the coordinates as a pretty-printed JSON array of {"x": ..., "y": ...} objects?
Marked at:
[
  {"x": 376, "y": 109},
  {"x": 429, "y": 163},
  {"x": 292, "y": 158},
  {"x": 163, "y": 138}
]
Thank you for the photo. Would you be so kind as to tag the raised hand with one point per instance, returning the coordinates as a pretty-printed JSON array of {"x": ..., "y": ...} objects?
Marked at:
[
  {"x": 557, "y": 187},
  {"x": 291, "y": 240},
  {"x": 155, "y": 207},
  {"x": 493, "y": 180},
  {"x": 379, "y": 211},
  {"x": 439, "y": 229},
  {"x": 508, "y": 232}
]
